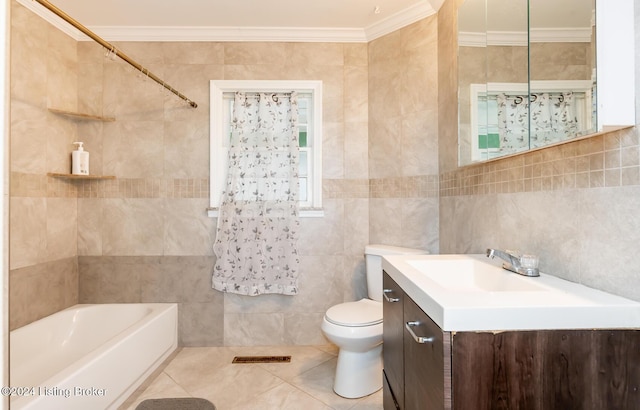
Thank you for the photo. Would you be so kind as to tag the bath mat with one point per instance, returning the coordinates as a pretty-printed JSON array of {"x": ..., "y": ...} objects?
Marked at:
[
  {"x": 182, "y": 403},
  {"x": 261, "y": 359}
]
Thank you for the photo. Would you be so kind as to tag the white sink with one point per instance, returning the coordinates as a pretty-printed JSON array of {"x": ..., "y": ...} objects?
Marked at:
[
  {"x": 474, "y": 293},
  {"x": 469, "y": 275}
]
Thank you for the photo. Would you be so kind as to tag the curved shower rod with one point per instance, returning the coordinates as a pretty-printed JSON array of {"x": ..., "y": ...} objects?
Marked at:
[{"x": 112, "y": 49}]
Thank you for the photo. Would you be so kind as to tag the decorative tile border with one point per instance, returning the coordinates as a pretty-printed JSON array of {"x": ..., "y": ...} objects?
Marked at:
[
  {"x": 345, "y": 188},
  {"x": 144, "y": 188},
  {"x": 608, "y": 160},
  {"x": 404, "y": 187},
  {"x": 32, "y": 185}
]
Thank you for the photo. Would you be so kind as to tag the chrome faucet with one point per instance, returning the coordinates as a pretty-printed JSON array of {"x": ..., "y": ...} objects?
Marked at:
[{"x": 514, "y": 263}]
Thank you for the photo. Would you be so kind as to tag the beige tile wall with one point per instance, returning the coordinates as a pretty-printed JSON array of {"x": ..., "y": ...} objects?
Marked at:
[
  {"x": 575, "y": 205},
  {"x": 39, "y": 290},
  {"x": 609, "y": 160},
  {"x": 389, "y": 165},
  {"x": 43, "y": 213},
  {"x": 159, "y": 279},
  {"x": 146, "y": 231},
  {"x": 154, "y": 214},
  {"x": 335, "y": 264},
  {"x": 403, "y": 137}
]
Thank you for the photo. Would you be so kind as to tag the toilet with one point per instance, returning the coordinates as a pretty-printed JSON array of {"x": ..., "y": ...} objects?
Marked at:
[{"x": 356, "y": 328}]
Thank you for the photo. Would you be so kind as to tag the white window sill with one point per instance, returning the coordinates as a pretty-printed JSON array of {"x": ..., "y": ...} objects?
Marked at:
[{"x": 304, "y": 212}]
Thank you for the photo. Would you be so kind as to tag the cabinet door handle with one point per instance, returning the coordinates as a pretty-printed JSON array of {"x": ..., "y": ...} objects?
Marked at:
[
  {"x": 418, "y": 339},
  {"x": 387, "y": 298}
]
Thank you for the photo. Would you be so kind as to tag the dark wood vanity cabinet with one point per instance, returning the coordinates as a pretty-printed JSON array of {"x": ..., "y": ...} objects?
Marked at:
[
  {"x": 416, "y": 355},
  {"x": 392, "y": 344},
  {"x": 426, "y": 361},
  {"x": 535, "y": 369},
  {"x": 547, "y": 369}
]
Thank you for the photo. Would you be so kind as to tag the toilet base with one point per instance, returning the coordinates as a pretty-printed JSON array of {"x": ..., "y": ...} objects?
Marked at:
[{"x": 358, "y": 374}]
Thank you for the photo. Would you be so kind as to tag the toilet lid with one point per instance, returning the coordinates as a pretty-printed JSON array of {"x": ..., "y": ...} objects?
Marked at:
[{"x": 364, "y": 312}]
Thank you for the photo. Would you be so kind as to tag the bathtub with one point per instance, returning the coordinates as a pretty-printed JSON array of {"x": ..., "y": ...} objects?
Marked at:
[{"x": 89, "y": 356}]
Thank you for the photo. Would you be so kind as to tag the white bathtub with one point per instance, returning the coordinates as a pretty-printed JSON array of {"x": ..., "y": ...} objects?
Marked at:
[{"x": 89, "y": 356}]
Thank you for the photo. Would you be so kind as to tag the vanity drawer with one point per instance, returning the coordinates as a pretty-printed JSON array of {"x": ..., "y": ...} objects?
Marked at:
[{"x": 424, "y": 368}]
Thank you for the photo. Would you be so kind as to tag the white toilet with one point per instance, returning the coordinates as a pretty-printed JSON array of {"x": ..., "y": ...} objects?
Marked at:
[{"x": 356, "y": 328}]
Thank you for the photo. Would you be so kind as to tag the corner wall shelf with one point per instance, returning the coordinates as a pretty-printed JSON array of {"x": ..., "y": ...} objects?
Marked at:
[
  {"x": 81, "y": 116},
  {"x": 71, "y": 176}
]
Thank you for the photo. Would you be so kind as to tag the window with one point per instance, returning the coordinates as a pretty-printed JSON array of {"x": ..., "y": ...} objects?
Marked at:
[
  {"x": 309, "y": 137},
  {"x": 491, "y": 136}
]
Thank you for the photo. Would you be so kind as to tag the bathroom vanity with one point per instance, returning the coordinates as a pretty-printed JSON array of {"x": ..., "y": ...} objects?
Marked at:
[{"x": 462, "y": 333}]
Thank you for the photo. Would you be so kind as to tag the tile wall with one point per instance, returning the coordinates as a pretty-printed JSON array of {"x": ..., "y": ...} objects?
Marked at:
[
  {"x": 575, "y": 205},
  {"x": 403, "y": 137},
  {"x": 145, "y": 236},
  {"x": 43, "y": 211},
  {"x": 390, "y": 168},
  {"x": 151, "y": 221}
]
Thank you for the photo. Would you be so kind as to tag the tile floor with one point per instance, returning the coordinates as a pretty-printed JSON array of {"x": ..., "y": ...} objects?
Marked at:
[{"x": 207, "y": 372}]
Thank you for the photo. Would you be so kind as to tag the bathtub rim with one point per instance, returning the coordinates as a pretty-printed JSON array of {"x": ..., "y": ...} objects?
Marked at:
[{"x": 66, "y": 374}]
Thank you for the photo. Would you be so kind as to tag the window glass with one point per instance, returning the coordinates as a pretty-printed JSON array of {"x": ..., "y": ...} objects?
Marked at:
[{"x": 309, "y": 136}]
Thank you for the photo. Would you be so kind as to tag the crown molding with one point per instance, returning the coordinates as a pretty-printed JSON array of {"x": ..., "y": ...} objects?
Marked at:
[
  {"x": 493, "y": 38},
  {"x": 285, "y": 34},
  {"x": 51, "y": 18},
  {"x": 224, "y": 34},
  {"x": 561, "y": 35},
  {"x": 520, "y": 38},
  {"x": 401, "y": 19}
]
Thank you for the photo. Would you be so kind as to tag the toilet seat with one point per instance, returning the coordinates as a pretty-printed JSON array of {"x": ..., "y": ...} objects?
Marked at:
[{"x": 365, "y": 312}]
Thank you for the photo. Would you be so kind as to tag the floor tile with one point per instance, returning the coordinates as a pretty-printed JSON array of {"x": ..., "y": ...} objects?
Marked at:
[
  {"x": 318, "y": 382},
  {"x": 303, "y": 358},
  {"x": 283, "y": 397},
  {"x": 162, "y": 387},
  {"x": 207, "y": 372}
]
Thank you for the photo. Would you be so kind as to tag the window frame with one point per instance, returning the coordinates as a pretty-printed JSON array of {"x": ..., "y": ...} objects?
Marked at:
[{"x": 217, "y": 154}]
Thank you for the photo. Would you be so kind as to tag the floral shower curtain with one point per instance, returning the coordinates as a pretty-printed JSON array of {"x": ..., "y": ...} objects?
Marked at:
[
  {"x": 553, "y": 119},
  {"x": 258, "y": 221},
  {"x": 513, "y": 122}
]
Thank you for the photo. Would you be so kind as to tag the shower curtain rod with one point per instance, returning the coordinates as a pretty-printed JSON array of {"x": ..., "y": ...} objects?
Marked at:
[{"x": 112, "y": 49}]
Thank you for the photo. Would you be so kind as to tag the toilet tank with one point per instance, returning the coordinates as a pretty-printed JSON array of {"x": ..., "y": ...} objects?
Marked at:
[{"x": 373, "y": 262}]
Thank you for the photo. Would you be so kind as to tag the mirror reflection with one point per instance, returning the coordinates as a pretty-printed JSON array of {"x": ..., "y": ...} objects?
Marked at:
[{"x": 526, "y": 75}]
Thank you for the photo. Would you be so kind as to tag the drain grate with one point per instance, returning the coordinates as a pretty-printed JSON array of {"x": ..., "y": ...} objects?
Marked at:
[{"x": 261, "y": 359}]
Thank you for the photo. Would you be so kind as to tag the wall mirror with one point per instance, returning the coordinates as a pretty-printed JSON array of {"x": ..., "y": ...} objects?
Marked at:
[{"x": 529, "y": 75}]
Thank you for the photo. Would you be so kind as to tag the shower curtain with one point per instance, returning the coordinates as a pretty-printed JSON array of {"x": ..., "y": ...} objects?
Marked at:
[
  {"x": 258, "y": 220},
  {"x": 513, "y": 122},
  {"x": 552, "y": 119}
]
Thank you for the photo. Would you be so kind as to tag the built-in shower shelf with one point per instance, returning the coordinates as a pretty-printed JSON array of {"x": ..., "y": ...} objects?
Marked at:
[
  {"x": 71, "y": 176},
  {"x": 81, "y": 116}
]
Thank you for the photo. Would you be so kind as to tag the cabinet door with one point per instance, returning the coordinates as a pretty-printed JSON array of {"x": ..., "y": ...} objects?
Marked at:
[
  {"x": 424, "y": 366},
  {"x": 389, "y": 401},
  {"x": 393, "y": 340}
]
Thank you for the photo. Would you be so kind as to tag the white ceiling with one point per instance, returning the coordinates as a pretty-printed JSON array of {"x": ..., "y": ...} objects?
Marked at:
[{"x": 237, "y": 20}]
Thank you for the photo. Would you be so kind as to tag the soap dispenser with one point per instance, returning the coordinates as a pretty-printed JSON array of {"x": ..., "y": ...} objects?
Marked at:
[{"x": 79, "y": 160}]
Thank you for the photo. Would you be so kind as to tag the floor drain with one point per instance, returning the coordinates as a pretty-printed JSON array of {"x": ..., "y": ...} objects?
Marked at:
[{"x": 261, "y": 359}]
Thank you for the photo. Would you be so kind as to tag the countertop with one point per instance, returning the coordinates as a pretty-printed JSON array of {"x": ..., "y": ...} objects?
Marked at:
[{"x": 551, "y": 303}]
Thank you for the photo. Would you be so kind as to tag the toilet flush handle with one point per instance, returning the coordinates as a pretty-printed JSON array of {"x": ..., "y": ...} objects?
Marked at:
[{"x": 385, "y": 293}]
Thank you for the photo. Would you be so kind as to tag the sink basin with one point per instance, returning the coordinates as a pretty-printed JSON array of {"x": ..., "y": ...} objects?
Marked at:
[
  {"x": 468, "y": 275},
  {"x": 473, "y": 293}
]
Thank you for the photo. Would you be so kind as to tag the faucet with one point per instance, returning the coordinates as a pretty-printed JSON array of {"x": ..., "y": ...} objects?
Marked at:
[{"x": 514, "y": 263}]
